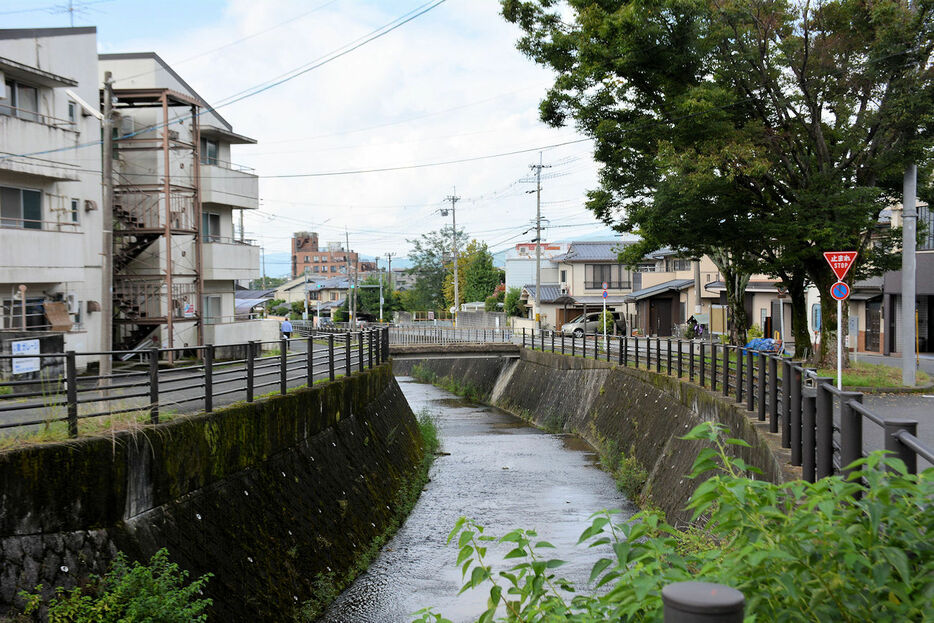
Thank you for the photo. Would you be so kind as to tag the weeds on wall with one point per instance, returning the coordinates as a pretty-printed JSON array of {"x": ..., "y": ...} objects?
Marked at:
[
  {"x": 158, "y": 592},
  {"x": 841, "y": 549},
  {"x": 424, "y": 375}
]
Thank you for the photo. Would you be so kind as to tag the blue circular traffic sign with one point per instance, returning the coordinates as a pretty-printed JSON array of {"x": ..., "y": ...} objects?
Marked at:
[
  {"x": 604, "y": 294},
  {"x": 839, "y": 291}
]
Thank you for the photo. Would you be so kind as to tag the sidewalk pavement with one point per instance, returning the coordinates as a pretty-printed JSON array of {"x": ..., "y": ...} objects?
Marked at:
[{"x": 895, "y": 361}]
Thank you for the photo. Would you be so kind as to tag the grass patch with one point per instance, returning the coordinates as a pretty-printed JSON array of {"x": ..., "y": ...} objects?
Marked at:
[
  {"x": 466, "y": 390},
  {"x": 627, "y": 471},
  {"x": 861, "y": 374}
]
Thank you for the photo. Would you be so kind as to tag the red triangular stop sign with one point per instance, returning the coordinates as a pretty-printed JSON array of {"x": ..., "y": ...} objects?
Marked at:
[{"x": 840, "y": 262}]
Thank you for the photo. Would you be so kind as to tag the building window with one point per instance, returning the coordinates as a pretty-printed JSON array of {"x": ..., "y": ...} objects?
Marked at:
[
  {"x": 23, "y": 101},
  {"x": 616, "y": 276},
  {"x": 75, "y": 203},
  {"x": 212, "y": 309},
  {"x": 564, "y": 276},
  {"x": 314, "y": 269},
  {"x": 306, "y": 259},
  {"x": 211, "y": 227},
  {"x": 20, "y": 207},
  {"x": 208, "y": 151},
  {"x": 926, "y": 226},
  {"x": 72, "y": 112},
  {"x": 675, "y": 264}
]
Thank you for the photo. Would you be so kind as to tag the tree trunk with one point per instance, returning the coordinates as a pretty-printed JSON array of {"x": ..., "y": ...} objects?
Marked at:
[
  {"x": 735, "y": 282},
  {"x": 799, "y": 315}
]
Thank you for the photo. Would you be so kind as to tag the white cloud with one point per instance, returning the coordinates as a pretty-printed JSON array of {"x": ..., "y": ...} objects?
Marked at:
[{"x": 450, "y": 59}]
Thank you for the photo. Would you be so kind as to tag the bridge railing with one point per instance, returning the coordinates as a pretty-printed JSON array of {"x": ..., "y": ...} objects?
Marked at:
[
  {"x": 149, "y": 390},
  {"x": 406, "y": 335},
  {"x": 821, "y": 425}
]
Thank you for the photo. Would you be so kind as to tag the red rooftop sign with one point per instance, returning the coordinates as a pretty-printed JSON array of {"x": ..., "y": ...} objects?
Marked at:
[{"x": 840, "y": 262}]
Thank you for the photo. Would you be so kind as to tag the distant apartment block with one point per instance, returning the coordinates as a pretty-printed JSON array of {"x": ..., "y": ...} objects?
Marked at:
[{"x": 333, "y": 261}]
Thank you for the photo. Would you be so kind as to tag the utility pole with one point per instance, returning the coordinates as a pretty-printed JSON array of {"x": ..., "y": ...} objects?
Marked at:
[
  {"x": 350, "y": 296},
  {"x": 389, "y": 259},
  {"x": 909, "y": 239},
  {"x": 538, "y": 239},
  {"x": 306, "y": 295},
  {"x": 262, "y": 253},
  {"x": 379, "y": 270},
  {"x": 107, "y": 226},
  {"x": 453, "y": 198}
]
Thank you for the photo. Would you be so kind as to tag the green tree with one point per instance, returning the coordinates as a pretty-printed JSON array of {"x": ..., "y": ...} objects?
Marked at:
[
  {"x": 368, "y": 302},
  {"x": 477, "y": 275},
  {"x": 430, "y": 256},
  {"x": 512, "y": 304},
  {"x": 791, "y": 121}
]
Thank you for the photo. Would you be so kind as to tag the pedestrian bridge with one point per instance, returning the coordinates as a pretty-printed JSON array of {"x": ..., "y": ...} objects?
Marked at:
[{"x": 410, "y": 352}]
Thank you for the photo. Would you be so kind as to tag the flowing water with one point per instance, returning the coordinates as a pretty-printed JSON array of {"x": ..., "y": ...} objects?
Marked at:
[{"x": 502, "y": 473}]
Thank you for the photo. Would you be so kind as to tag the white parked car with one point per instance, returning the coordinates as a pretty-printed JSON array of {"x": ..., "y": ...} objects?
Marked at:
[{"x": 591, "y": 324}]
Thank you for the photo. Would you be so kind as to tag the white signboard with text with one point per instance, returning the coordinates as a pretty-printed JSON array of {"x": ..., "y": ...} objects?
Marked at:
[{"x": 21, "y": 364}]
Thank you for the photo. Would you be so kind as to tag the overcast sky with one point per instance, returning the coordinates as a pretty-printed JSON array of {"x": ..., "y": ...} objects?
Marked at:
[{"x": 448, "y": 85}]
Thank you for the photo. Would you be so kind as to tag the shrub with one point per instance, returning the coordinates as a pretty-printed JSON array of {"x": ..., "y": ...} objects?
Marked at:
[
  {"x": 841, "y": 549},
  {"x": 753, "y": 332},
  {"x": 512, "y": 304},
  {"x": 157, "y": 593}
]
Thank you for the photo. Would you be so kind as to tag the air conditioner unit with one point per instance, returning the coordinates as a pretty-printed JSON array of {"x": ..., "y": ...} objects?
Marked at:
[
  {"x": 71, "y": 301},
  {"x": 127, "y": 126},
  {"x": 173, "y": 135},
  {"x": 564, "y": 288}
]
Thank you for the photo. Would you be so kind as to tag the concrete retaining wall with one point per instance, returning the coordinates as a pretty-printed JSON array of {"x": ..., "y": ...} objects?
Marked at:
[
  {"x": 642, "y": 412},
  {"x": 269, "y": 496}
]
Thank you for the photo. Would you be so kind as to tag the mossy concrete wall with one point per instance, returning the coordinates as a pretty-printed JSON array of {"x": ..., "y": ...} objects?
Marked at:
[
  {"x": 641, "y": 412},
  {"x": 269, "y": 496}
]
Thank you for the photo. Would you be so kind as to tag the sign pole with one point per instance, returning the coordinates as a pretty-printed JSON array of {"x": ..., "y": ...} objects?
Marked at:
[
  {"x": 840, "y": 344},
  {"x": 604, "y": 320}
]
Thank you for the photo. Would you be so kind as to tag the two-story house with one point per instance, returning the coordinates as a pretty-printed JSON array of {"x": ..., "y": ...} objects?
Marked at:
[{"x": 50, "y": 185}]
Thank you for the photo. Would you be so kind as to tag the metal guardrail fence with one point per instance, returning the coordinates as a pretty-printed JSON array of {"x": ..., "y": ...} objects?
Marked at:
[
  {"x": 67, "y": 397},
  {"x": 821, "y": 425}
]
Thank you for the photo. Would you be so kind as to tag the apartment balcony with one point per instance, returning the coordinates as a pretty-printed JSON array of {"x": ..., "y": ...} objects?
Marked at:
[
  {"x": 225, "y": 259},
  {"x": 40, "y": 252},
  {"x": 229, "y": 184},
  {"x": 27, "y": 132}
]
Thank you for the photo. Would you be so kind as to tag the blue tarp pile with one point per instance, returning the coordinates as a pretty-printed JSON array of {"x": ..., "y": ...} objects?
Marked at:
[{"x": 765, "y": 345}]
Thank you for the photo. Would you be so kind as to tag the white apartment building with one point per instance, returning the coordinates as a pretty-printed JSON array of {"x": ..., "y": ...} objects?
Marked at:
[
  {"x": 50, "y": 184},
  {"x": 203, "y": 239}
]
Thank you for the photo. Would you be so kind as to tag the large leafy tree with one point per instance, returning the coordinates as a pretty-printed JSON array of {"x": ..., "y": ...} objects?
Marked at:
[
  {"x": 431, "y": 253},
  {"x": 789, "y": 124},
  {"x": 477, "y": 275}
]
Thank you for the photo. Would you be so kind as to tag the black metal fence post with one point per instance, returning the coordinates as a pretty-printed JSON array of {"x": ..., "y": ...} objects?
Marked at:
[
  {"x": 680, "y": 358},
  {"x": 658, "y": 354},
  {"x": 773, "y": 394},
  {"x": 208, "y": 378},
  {"x": 71, "y": 392},
  {"x": 250, "y": 365},
  {"x": 541, "y": 339},
  {"x": 668, "y": 358},
  {"x": 562, "y": 343},
  {"x": 585, "y": 346},
  {"x": 739, "y": 374},
  {"x": 892, "y": 429},
  {"x": 154, "y": 385},
  {"x": 369, "y": 348},
  {"x": 573, "y": 345},
  {"x": 330, "y": 356},
  {"x": 851, "y": 430},
  {"x": 691, "y": 360},
  {"x": 348, "y": 369},
  {"x": 626, "y": 351},
  {"x": 794, "y": 416},
  {"x": 726, "y": 370},
  {"x": 808, "y": 440},
  {"x": 523, "y": 337},
  {"x": 823, "y": 414},
  {"x": 360, "y": 360},
  {"x": 619, "y": 353},
  {"x": 552, "y": 341},
  {"x": 750, "y": 379},
  {"x": 702, "y": 602},
  {"x": 713, "y": 367},
  {"x": 702, "y": 362},
  {"x": 310, "y": 361},
  {"x": 636, "y": 341},
  {"x": 760, "y": 397},
  {"x": 283, "y": 366}
]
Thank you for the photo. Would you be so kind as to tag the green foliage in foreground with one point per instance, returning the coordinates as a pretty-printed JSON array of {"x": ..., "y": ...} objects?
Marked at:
[
  {"x": 154, "y": 593},
  {"x": 842, "y": 550}
]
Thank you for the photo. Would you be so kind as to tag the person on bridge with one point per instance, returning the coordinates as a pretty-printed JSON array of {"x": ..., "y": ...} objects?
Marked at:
[{"x": 286, "y": 328}]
